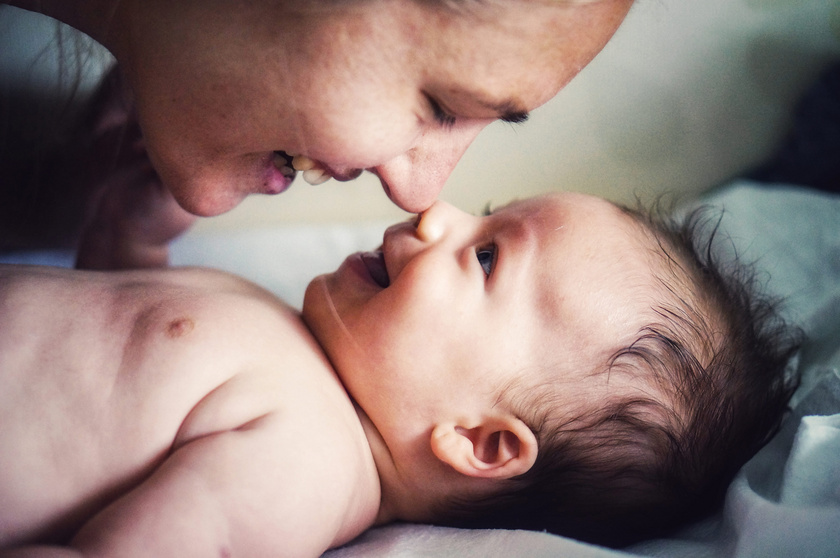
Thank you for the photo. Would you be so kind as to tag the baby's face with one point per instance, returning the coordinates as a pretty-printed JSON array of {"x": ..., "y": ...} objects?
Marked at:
[
  {"x": 454, "y": 307},
  {"x": 356, "y": 85}
]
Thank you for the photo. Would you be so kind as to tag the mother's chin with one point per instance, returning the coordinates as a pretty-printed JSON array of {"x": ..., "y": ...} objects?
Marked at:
[
  {"x": 208, "y": 205},
  {"x": 207, "y": 195}
]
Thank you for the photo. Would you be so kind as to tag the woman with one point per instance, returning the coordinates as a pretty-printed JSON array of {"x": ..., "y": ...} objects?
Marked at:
[{"x": 234, "y": 97}]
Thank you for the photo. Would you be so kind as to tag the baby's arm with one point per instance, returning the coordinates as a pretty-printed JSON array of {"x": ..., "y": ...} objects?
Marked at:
[{"x": 235, "y": 493}]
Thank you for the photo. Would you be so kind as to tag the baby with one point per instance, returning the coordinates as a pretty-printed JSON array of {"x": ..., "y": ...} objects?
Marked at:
[{"x": 560, "y": 364}]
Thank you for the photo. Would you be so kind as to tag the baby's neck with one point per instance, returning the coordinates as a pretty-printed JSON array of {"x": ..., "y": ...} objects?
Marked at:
[
  {"x": 379, "y": 453},
  {"x": 357, "y": 473},
  {"x": 400, "y": 496}
]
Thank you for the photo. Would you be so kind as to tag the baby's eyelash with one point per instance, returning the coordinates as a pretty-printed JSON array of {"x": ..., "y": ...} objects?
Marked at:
[{"x": 441, "y": 116}]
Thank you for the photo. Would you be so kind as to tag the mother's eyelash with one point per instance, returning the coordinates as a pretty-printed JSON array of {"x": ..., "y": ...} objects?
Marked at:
[{"x": 441, "y": 116}]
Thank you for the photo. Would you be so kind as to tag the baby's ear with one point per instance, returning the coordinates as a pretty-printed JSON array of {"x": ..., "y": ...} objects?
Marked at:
[{"x": 496, "y": 448}]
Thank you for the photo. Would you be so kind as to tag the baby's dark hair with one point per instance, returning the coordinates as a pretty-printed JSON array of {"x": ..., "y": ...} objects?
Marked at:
[{"x": 641, "y": 466}]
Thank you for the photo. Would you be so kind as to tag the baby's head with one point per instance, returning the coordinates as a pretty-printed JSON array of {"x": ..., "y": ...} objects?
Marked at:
[
  {"x": 710, "y": 388},
  {"x": 561, "y": 364}
]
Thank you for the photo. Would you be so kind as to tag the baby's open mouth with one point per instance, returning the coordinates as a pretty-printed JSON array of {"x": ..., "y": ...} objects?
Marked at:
[{"x": 375, "y": 263}]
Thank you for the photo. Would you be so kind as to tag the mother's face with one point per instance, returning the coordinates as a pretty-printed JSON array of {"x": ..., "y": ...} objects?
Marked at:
[{"x": 396, "y": 87}]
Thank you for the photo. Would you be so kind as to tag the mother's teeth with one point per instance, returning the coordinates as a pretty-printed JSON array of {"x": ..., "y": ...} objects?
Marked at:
[
  {"x": 303, "y": 163},
  {"x": 279, "y": 160},
  {"x": 281, "y": 163},
  {"x": 312, "y": 171},
  {"x": 315, "y": 176}
]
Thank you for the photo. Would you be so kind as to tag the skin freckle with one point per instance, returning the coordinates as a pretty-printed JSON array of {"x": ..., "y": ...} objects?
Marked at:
[{"x": 179, "y": 327}]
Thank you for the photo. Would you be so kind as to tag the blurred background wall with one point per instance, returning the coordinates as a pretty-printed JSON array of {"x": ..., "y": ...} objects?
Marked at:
[{"x": 688, "y": 94}]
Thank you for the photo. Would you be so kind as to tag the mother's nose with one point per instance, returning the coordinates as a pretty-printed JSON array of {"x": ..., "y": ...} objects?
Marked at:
[{"x": 414, "y": 179}]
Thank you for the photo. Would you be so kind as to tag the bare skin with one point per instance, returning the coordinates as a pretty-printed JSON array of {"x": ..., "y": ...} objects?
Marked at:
[
  {"x": 188, "y": 412},
  {"x": 185, "y": 402},
  {"x": 225, "y": 93}
]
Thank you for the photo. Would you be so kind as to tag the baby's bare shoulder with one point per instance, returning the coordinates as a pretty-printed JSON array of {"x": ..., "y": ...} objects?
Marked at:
[
  {"x": 114, "y": 298},
  {"x": 207, "y": 371},
  {"x": 175, "y": 340},
  {"x": 51, "y": 282}
]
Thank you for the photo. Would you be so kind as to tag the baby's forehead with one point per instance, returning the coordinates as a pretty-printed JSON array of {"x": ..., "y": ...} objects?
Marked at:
[
  {"x": 599, "y": 232},
  {"x": 601, "y": 277},
  {"x": 600, "y": 288},
  {"x": 562, "y": 207}
]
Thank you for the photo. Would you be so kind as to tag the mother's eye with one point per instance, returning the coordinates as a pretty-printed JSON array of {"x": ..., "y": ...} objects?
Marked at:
[
  {"x": 486, "y": 258},
  {"x": 442, "y": 117}
]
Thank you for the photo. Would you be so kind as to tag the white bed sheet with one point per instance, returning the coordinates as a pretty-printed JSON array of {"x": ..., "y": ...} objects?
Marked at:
[{"x": 785, "y": 502}]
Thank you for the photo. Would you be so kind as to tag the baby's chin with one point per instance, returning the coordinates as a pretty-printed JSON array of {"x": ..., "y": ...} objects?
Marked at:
[
  {"x": 325, "y": 324},
  {"x": 320, "y": 314},
  {"x": 313, "y": 297}
]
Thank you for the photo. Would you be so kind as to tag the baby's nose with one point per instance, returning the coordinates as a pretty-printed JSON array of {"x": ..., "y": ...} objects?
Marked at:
[{"x": 432, "y": 223}]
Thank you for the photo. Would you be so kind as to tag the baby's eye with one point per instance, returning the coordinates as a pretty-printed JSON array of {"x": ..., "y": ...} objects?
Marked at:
[{"x": 486, "y": 258}]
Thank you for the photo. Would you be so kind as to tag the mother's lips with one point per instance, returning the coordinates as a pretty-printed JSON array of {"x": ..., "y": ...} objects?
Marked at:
[
  {"x": 375, "y": 264},
  {"x": 344, "y": 176}
]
